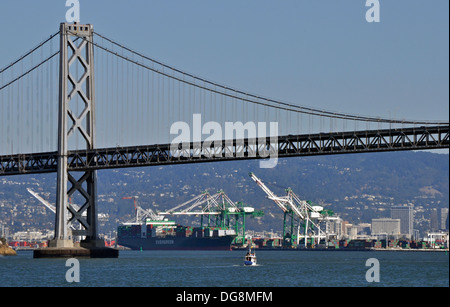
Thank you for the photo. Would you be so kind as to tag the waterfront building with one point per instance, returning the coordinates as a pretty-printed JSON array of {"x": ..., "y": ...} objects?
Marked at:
[
  {"x": 406, "y": 216},
  {"x": 444, "y": 218},
  {"x": 386, "y": 226}
]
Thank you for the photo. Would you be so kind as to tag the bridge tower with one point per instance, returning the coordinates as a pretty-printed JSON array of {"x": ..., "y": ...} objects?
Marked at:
[{"x": 75, "y": 46}]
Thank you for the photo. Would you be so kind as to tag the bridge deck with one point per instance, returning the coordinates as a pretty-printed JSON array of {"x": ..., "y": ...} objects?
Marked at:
[{"x": 435, "y": 137}]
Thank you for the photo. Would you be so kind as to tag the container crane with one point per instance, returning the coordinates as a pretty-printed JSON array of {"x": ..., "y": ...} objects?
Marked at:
[
  {"x": 287, "y": 206},
  {"x": 313, "y": 217},
  {"x": 218, "y": 208},
  {"x": 195, "y": 206},
  {"x": 299, "y": 211}
]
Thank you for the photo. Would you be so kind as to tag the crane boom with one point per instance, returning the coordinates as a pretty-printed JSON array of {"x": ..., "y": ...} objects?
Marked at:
[
  {"x": 224, "y": 201},
  {"x": 212, "y": 207},
  {"x": 183, "y": 204},
  {"x": 205, "y": 204},
  {"x": 269, "y": 193},
  {"x": 43, "y": 201},
  {"x": 283, "y": 202},
  {"x": 51, "y": 207}
]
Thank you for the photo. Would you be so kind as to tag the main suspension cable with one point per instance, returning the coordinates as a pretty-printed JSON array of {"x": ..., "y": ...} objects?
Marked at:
[
  {"x": 278, "y": 104},
  {"x": 28, "y": 53}
]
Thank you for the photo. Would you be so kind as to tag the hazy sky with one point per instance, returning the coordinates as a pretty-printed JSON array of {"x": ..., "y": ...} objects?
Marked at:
[{"x": 319, "y": 53}]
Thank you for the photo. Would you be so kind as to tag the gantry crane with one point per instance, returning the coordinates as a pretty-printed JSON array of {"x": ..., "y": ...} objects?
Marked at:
[
  {"x": 313, "y": 216},
  {"x": 300, "y": 212},
  {"x": 218, "y": 209},
  {"x": 286, "y": 207}
]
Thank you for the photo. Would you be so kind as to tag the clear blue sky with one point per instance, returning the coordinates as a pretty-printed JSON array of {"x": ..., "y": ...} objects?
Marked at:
[{"x": 319, "y": 53}]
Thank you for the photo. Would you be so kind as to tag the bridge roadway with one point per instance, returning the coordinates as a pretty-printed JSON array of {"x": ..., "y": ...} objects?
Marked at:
[{"x": 417, "y": 138}]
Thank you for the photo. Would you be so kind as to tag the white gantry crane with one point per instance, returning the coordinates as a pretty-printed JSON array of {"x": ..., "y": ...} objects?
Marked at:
[
  {"x": 219, "y": 210},
  {"x": 205, "y": 204},
  {"x": 307, "y": 217}
]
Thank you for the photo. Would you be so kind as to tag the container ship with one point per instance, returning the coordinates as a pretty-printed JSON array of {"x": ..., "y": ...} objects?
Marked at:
[{"x": 167, "y": 235}]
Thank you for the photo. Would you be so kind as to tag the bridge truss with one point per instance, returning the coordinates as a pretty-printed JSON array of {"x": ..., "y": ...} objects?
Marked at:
[{"x": 435, "y": 137}]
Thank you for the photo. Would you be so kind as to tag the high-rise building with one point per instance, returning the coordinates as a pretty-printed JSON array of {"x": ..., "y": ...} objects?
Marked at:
[
  {"x": 385, "y": 226},
  {"x": 444, "y": 219},
  {"x": 434, "y": 221},
  {"x": 406, "y": 216}
]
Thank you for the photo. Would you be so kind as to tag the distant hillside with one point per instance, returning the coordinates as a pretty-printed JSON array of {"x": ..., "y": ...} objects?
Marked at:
[{"x": 357, "y": 186}]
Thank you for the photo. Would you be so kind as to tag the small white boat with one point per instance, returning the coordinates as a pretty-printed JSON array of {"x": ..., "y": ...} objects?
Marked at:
[{"x": 250, "y": 257}]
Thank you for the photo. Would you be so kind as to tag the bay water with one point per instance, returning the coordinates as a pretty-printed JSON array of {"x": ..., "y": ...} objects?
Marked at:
[{"x": 226, "y": 269}]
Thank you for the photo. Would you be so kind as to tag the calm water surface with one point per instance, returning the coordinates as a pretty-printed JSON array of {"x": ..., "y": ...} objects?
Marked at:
[{"x": 226, "y": 269}]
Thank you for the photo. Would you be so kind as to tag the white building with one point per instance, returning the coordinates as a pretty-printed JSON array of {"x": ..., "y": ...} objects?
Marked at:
[{"x": 385, "y": 226}]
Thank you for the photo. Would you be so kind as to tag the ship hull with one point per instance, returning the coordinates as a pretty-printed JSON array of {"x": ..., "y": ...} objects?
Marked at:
[{"x": 177, "y": 243}]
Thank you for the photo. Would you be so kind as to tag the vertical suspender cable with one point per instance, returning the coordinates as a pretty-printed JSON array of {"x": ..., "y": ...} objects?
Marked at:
[
  {"x": 154, "y": 112},
  {"x": 143, "y": 113},
  {"x": 41, "y": 104},
  {"x": 117, "y": 104},
  {"x": 147, "y": 109}
]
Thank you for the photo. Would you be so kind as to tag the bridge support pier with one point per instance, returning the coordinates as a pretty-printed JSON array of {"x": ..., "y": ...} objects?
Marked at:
[
  {"x": 60, "y": 243},
  {"x": 76, "y": 92}
]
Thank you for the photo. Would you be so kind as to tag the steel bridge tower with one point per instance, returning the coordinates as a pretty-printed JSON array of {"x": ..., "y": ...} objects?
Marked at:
[{"x": 75, "y": 40}]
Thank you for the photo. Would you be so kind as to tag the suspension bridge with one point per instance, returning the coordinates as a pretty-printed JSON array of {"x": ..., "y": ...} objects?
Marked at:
[{"x": 79, "y": 102}]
